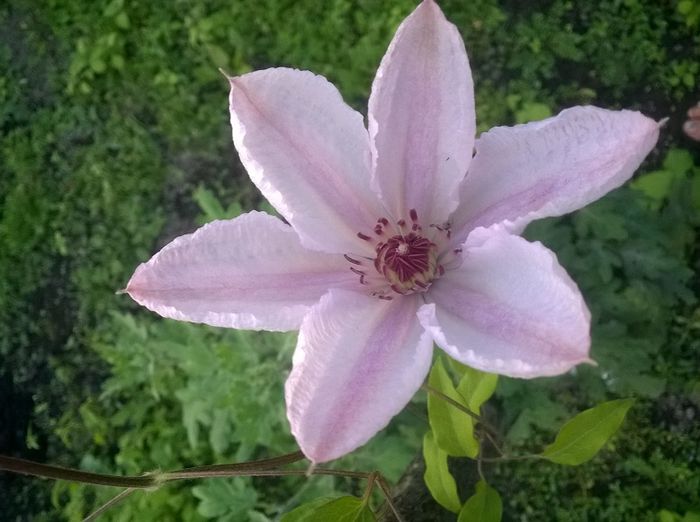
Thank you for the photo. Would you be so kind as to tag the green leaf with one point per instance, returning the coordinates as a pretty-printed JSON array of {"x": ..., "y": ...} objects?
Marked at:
[
  {"x": 476, "y": 387},
  {"x": 299, "y": 513},
  {"x": 695, "y": 191},
  {"x": 678, "y": 160},
  {"x": 657, "y": 184},
  {"x": 532, "y": 111},
  {"x": 209, "y": 204},
  {"x": 122, "y": 21},
  {"x": 453, "y": 429},
  {"x": 438, "y": 478},
  {"x": 221, "y": 497},
  {"x": 218, "y": 55},
  {"x": 484, "y": 506},
  {"x": 97, "y": 64},
  {"x": 666, "y": 516},
  {"x": 343, "y": 509},
  {"x": 583, "y": 436}
]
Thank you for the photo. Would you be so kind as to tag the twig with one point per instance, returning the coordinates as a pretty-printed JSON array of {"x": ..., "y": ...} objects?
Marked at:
[
  {"x": 370, "y": 486},
  {"x": 203, "y": 473},
  {"x": 109, "y": 504},
  {"x": 506, "y": 458},
  {"x": 479, "y": 458},
  {"x": 28, "y": 467},
  {"x": 493, "y": 443},
  {"x": 258, "y": 468},
  {"x": 384, "y": 486}
]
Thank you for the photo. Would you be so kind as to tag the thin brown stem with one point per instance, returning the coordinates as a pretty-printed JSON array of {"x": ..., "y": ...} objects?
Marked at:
[
  {"x": 259, "y": 468},
  {"x": 384, "y": 486},
  {"x": 493, "y": 443},
  {"x": 480, "y": 458},
  {"x": 109, "y": 504},
  {"x": 203, "y": 473},
  {"x": 370, "y": 487},
  {"x": 28, "y": 467},
  {"x": 252, "y": 465},
  {"x": 506, "y": 458},
  {"x": 263, "y": 467}
]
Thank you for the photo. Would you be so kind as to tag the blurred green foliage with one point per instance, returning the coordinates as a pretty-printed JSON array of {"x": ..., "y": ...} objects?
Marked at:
[{"x": 115, "y": 138}]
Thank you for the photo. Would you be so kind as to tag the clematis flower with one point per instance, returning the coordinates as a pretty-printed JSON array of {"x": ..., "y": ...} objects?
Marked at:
[{"x": 398, "y": 236}]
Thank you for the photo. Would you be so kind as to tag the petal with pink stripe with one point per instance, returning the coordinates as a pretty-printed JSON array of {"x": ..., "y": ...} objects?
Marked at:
[
  {"x": 358, "y": 361},
  {"x": 421, "y": 117},
  {"x": 510, "y": 308},
  {"x": 550, "y": 167},
  {"x": 308, "y": 153},
  {"x": 249, "y": 272}
]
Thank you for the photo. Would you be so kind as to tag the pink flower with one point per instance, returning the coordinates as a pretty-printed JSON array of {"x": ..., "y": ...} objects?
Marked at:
[{"x": 399, "y": 238}]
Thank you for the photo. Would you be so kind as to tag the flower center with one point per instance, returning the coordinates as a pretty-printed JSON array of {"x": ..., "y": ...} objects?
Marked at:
[
  {"x": 407, "y": 262},
  {"x": 407, "y": 259}
]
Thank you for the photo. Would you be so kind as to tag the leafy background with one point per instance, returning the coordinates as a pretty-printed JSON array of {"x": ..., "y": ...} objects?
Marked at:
[{"x": 115, "y": 139}]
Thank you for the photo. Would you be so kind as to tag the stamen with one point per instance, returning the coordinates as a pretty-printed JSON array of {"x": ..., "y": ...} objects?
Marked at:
[
  {"x": 405, "y": 260},
  {"x": 397, "y": 289}
]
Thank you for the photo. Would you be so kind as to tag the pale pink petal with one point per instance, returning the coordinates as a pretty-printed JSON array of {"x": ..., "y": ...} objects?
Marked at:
[
  {"x": 421, "y": 117},
  {"x": 358, "y": 361},
  {"x": 308, "y": 153},
  {"x": 550, "y": 167},
  {"x": 250, "y": 272},
  {"x": 510, "y": 308}
]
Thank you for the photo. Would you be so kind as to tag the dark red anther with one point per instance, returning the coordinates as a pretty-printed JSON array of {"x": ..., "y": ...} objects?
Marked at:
[
  {"x": 384, "y": 221},
  {"x": 363, "y": 236},
  {"x": 358, "y": 272},
  {"x": 413, "y": 214},
  {"x": 351, "y": 260},
  {"x": 397, "y": 289},
  {"x": 401, "y": 222},
  {"x": 415, "y": 227},
  {"x": 385, "y": 297},
  {"x": 441, "y": 270},
  {"x": 378, "y": 230}
]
